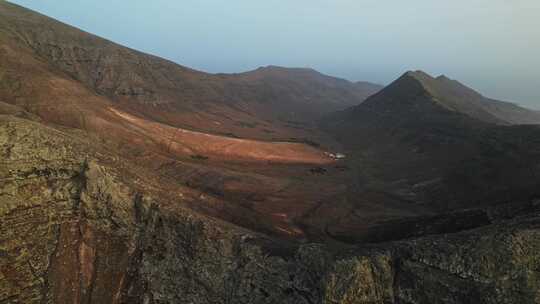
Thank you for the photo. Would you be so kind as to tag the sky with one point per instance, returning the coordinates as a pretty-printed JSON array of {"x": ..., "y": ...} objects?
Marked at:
[{"x": 490, "y": 45}]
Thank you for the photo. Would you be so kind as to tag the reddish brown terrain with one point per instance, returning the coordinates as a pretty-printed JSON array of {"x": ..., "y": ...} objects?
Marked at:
[
  {"x": 182, "y": 142},
  {"x": 127, "y": 178},
  {"x": 235, "y": 137},
  {"x": 238, "y": 136}
]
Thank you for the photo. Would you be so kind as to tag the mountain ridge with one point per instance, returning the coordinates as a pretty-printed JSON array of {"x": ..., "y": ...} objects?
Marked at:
[
  {"x": 420, "y": 138},
  {"x": 127, "y": 75},
  {"x": 455, "y": 96}
]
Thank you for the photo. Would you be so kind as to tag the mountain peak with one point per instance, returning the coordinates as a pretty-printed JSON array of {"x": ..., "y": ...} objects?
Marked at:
[
  {"x": 418, "y": 74},
  {"x": 415, "y": 89},
  {"x": 442, "y": 88},
  {"x": 407, "y": 87},
  {"x": 443, "y": 77},
  {"x": 277, "y": 68},
  {"x": 418, "y": 79}
]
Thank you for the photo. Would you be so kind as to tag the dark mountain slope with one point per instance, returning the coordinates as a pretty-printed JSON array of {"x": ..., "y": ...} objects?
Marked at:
[
  {"x": 425, "y": 150},
  {"x": 466, "y": 99}
]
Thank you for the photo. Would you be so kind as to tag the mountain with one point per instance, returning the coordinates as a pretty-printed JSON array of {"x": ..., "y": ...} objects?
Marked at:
[
  {"x": 430, "y": 145},
  {"x": 164, "y": 91},
  {"x": 126, "y": 178},
  {"x": 142, "y": 108},
  {"x": 290, "y": 85},
  {"x": 457, "y": 97}
]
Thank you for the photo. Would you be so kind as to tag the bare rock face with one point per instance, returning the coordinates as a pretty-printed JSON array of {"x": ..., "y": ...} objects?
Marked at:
[
  {"x": 74, "y": 231},
  {"x": 48, "y": 241},
  {"x": 490, "y": 265}
]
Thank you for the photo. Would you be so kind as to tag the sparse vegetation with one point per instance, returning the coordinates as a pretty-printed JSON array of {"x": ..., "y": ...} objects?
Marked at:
[
  {"x": 318, "y": 170},
  {"x": 244, "y": 124},
  {"x": 199, "y": 157}
]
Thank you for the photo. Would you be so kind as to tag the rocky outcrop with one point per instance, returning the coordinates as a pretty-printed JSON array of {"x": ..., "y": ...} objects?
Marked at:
[
  {"x": 496, "y": 264},
  {"x": 74, "y": 230}
]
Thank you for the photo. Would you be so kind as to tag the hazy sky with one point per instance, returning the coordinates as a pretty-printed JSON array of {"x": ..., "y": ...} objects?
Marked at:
[{"x": 491, "y": 45}]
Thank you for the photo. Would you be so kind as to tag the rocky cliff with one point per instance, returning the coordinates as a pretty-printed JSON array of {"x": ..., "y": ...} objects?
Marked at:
[{"x": 76, "y": 229}]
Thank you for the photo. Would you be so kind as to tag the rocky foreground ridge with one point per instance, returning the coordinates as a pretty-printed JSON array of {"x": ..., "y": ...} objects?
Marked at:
[{"x": 77, "y": 227}]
